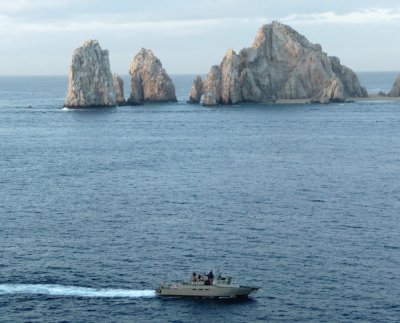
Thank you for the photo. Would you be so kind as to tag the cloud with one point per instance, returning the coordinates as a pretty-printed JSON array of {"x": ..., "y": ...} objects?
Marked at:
[
  {"x": 367, "y": 16},
  {"x": 114, "y": 22},
  {"x": 119, "y": 23},
  {"x": 22, "y": 6}
]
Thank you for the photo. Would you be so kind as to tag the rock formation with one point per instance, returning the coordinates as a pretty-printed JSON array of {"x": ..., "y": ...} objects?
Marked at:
[
  {"x": 212, "y": 87},
  {"x": 196, "y": 91},
  {"x": 90, "y": 82},
  {"x": 149, "y": 80},
  {"x": 281, "y": 64},
  {"x": 395, "y": 91},
  {"x": 119, "y": 89}
]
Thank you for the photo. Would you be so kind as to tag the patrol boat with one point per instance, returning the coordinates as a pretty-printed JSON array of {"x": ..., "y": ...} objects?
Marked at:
[{"x": 222, "y": 287}]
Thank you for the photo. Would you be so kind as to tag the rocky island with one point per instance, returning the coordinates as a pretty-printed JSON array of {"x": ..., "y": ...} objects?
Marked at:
[
  {"x": 281, "y": 64},
  {"x": 90, "y": 82},
  {"x": 149, "y": 80}
]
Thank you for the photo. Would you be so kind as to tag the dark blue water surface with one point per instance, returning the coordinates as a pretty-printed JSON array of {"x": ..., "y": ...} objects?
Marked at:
[{"x": 99, "y": 206}]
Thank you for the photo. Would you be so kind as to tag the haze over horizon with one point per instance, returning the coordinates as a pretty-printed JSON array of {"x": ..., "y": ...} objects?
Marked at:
[{"x": 38, "y": 36}]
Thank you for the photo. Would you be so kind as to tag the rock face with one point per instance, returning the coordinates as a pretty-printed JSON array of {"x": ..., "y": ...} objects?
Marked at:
[
  {"x": 90, "y": 82},
  {"x": 212, "y": 87},
  {"x": 149, "y": 80},
  {"x": 281, "y": 64},
  {"x": 196, "y": 91},
  {"x": 395, "y": 91},
  {"x": 119, "y": 89}
]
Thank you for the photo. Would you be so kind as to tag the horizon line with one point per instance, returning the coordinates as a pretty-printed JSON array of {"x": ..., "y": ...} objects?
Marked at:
[{"x": 175, "y": 74}]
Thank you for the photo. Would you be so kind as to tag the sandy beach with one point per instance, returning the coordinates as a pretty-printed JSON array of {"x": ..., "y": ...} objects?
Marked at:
[
  {"x": 375, "y": 97},
  {"x": 370, "y": 98}
]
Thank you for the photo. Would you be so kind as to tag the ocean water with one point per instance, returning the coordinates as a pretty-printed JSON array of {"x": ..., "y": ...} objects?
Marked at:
[{"x": 97, "y": 207}]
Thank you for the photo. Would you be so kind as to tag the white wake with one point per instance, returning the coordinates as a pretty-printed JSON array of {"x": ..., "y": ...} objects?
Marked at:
[{"x": 60, "y": 290}]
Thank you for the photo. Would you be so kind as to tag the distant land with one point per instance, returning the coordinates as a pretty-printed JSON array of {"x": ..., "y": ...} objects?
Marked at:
[{"x": 281, "y": 66}]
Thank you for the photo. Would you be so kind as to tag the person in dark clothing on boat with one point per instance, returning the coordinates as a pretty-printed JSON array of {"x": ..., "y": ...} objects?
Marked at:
[
  {"x": 194, "y": 277},
  {"x": 210, "y": 277}
]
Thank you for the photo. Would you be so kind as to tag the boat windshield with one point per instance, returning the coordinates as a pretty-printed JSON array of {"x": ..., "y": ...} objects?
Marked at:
[{"x": 227, "y": 280}]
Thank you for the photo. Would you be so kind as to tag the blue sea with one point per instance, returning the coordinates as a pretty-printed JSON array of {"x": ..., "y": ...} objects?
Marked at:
[{"x": 97, "y": 207}]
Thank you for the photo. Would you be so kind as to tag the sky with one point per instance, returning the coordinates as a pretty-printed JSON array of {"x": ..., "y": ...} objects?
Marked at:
[{"x": 37, "y": 37}]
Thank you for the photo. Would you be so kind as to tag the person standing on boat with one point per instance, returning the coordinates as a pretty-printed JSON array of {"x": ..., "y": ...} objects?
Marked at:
[
  {"x": 194, "y": 277},
  {"x": 210, "y": 277}
]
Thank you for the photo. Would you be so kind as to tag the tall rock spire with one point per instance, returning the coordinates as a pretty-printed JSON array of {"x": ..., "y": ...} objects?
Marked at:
[{"x": 90, "y": 82}]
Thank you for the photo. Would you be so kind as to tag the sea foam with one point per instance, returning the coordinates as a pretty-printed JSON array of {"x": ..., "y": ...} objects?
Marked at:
[{"x": 72, "y": 291}]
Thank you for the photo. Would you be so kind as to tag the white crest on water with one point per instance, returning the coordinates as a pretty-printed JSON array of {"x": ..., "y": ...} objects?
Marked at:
[{"x": 73, "y": 291}]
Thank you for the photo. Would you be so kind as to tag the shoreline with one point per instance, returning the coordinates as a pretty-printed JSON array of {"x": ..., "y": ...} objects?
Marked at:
[
  {"x": 376, "y": 97},
  {"x": 369, "y": 98}
]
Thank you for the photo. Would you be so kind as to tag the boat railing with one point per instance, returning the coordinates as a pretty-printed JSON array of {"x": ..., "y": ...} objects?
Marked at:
[
  {"x": 197, "y": 283},
  {"x": 219, "y": 281},
  {"x": 228, "y": 280}
]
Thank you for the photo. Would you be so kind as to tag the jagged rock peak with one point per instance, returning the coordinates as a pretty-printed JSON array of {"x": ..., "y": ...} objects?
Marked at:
[
  {"x": 230, "y": 86},
  {"x": 281, "y": 64},
  {"x": 196, "y": 90},
  {"x": 149, "y": 80},
  {"x": 119, "y": 89},
  {"x": 230, "y": 53},
  {"x": 395, "y": 91},
  {"x": 212, "y": 87},
  {"x": 90, "y": 82},
  {"x": 278, "y": 32}
]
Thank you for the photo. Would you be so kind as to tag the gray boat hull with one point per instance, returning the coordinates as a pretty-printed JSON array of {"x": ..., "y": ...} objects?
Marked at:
[{"x": 205, "y": 291}]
